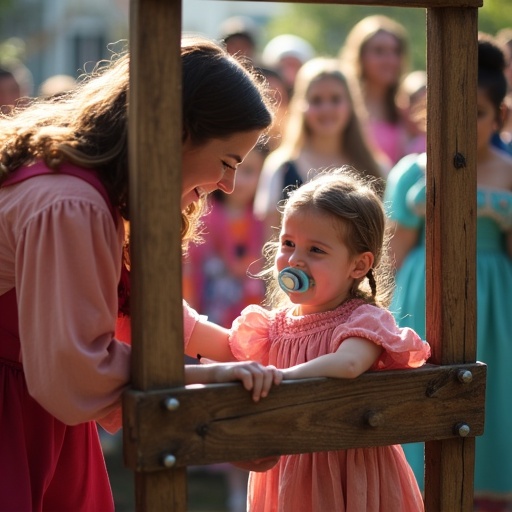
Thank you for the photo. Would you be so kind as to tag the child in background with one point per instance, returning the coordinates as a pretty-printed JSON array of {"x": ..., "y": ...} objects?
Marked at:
[
  {"x": 216, "y": 280},
  {"x": 406, "y": 195},
  {"x": 322, "y": 132},
  {"x": 412, "y": 98},
  {"x": 329, "y": 321}
]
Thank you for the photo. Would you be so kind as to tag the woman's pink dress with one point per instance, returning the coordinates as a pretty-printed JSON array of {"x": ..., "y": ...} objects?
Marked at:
[{"x": 376, "y": 479}]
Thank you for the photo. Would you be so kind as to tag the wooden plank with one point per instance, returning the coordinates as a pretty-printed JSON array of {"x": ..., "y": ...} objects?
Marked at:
[
  {"x": 208, "y": 424},
  {"x": 393, "y": 3},
  {"x": 155, "y": 177},
  {"x": 451, "y": 231}
]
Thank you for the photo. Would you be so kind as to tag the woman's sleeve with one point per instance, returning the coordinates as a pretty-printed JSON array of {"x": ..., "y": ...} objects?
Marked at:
[
  {"x": 402, "y": 178},
  {"x": 249, "y": 340},
  {"x": 402, "y": 347},
  {"x": 68, "y": 263}
]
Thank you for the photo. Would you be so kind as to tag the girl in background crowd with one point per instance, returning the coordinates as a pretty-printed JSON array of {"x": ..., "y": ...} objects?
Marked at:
[
  {"x": 405, "y": 194},
  {"x": 322, "y": 131},
  {"x": 374, "y": 58}
]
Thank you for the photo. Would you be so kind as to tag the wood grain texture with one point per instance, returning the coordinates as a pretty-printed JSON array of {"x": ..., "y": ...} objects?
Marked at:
[
  {"x": 451, "y": 232},
  {"x": 155, "y": 191},
  {"x": 220, "y": 422}
]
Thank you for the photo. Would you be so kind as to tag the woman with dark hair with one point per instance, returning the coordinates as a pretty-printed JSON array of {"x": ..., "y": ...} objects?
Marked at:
[{"x": 63, "y": 207}]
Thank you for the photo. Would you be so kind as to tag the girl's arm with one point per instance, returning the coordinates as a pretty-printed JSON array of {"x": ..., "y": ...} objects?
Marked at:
[
  {"x": 353, "y": 357},
  {"x": 401, "y": 243},
  {"x": 211, "y": 341},
  {"x": 254, "y": 376}
]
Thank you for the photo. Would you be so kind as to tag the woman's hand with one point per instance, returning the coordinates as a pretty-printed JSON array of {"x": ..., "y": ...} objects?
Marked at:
[{"x": 254, "y": 376}]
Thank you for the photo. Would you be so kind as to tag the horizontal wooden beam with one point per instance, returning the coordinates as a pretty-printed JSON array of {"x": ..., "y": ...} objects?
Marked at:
[
  {"x": 392, "y": 3},
  {"x": 191, "y": 425}
]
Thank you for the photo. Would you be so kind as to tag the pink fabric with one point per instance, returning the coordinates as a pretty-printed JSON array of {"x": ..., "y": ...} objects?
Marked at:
[
  {"x": 55, "y": 381},
  {"x": 391, "y": 139},
  {"x": 372, "y": 479}
]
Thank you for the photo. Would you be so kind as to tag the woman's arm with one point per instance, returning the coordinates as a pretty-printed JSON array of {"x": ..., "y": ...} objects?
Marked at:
[
  {"x": 211, "y": 341},
  {"x": 353, "y": 357},
  {"x": 401, "y": 243}
]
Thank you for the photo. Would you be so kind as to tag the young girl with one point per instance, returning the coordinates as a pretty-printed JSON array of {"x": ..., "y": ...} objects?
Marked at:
[
  {"x": 329, "y": 321},
  {"x": 405, "y": 193},
  {"x": 322, "y": 132},
  {"x": 374, "y": 57}
]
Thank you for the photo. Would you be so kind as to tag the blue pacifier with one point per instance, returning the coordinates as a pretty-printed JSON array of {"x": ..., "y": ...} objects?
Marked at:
[{"x": 293, "y": 280}]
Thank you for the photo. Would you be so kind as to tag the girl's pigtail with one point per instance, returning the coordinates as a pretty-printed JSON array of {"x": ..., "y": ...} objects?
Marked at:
[{"x": 373, "y": 284}]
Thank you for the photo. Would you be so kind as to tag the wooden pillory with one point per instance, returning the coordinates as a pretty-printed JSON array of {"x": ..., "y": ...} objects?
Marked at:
[{"x": 168, "y": 426}]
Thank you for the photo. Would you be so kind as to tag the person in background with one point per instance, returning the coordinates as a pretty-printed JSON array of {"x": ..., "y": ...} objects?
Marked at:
[
  {"x": 10, "y": 91},
  {"x": 63, "y": 203},
  {"x": 322, "y": 131},
  {"x": 286, "y": 54},
  {"x": 278, "y": 87},
  {"x": 217, "y": 272},
  {"x": 412, "y": 99},
  {"x": 329, "y": 284},
  {"x": 56, "y": 85},
  {"x": 374, "y": 57},
  {"x": 240, "y": 35},
  {"x": 406, "y": 196},
  {"x": 503, "y": 138}
]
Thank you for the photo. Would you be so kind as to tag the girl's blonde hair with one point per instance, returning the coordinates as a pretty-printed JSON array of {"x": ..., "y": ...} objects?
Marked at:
[
  {"x": 297, "y": 132},
  {"x": 353, "y": 202},
  {"x": 351, "y": 58},
  {"x": 88, "y": 126}
]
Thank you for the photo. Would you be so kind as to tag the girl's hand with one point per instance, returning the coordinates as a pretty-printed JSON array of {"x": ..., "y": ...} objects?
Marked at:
[
  {"x": 254, "y": 376},
  {"x": 258, "y": 465}
]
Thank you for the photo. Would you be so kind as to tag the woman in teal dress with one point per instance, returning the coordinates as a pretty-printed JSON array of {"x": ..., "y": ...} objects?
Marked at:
[{"x": 406, "y": 201}]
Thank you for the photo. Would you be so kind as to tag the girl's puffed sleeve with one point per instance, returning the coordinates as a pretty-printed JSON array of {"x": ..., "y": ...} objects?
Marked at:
[
  {"x": 249, "y": 337},
  {"x": 402, "y": 347}
]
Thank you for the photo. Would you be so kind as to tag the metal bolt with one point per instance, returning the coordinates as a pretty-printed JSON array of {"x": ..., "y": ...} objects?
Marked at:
[
  {"x": 168, "y": 460},
  {"x": 465, "y": 376},
  {"x": 463, "y": 429},
  {"x": 171, "y": 404},
  {"x": 374, "y": 419}
]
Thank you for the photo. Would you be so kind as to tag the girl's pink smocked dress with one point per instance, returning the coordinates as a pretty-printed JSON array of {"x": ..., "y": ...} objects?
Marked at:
[{"x": 376, "y": 479}]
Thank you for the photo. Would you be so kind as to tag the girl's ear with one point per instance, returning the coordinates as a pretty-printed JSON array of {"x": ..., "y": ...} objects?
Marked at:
[{"x": 362, "y": 264}]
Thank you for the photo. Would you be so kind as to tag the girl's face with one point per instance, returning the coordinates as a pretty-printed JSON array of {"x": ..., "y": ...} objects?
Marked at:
[
  {"x": 487, "y": 120},
  {"x": 213, "y": 165},
  {"x": 381, "y": 60},
  {"x": 310, "y": 240},
  {"x": 328, "y": 107}
]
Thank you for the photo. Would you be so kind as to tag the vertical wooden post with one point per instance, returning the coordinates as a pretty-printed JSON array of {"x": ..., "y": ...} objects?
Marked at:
[
  {"x": 155, "y": 191},
  {"x": 451, "y": 231}
]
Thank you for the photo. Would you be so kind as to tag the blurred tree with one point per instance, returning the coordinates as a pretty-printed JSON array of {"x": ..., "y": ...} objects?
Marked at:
[{"x": 326, "y": 26}]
